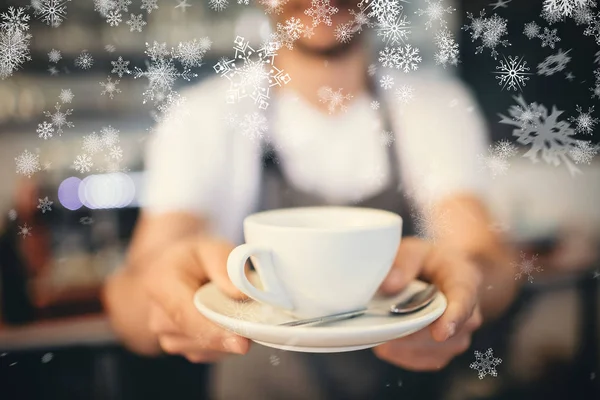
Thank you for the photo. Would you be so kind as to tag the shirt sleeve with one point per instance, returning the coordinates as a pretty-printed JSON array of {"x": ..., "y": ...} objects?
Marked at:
[
  {"x": 442, "y": 135},
  {"x": 185, "y": 158}
]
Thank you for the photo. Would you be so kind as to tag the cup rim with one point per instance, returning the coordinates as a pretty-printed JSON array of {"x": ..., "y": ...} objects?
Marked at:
[{"x": 391, "y": 219}]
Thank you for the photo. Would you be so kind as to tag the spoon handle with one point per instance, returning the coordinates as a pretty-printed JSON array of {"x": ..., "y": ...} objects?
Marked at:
[{"x": 327, "y": 318}]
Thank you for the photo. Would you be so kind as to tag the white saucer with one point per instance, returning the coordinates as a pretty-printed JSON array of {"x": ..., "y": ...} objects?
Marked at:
[{"x": 258, "y": 322}]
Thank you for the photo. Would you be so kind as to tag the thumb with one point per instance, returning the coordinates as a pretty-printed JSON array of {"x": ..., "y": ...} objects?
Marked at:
[
  {"x": 213, "y": 254},
  {"x": 409, "y": 261}
]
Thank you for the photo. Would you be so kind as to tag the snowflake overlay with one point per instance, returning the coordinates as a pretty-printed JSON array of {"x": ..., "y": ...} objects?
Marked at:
[
  {"x": 110, "y": 87},
  {"x": 334, "y": 99},
  {"x": 485, "y": 363},
  {"x": 404, "y": 94},
  {"x": 84, "y": 60},
  {"x": 120, "y": 67},
  {"x": 24, "y": 230},
  {"x": 584, "y": 122},
  {"x": 546, "y": 134},
  {"x": 496, "y": 161},
  {"x": 583, "y": 152},
  {"x": 554, "y": 63},
  {"x": 52, "y": 12},
  {"x": 83, "y": 163},
  {"x": 161, "y": 73},
  {"x": 251, "y": 73},
  {"x": 321, "y": 12},
  {"x": 526, "y": 266},
  {"x": 564, "y": 7},
  {"x": 447, "y": 49},
  {"x": 27, "y": 163},
  {"x": 489, "y": 30},
  {"x": 59, "y": 118},
  {"x": 405, "y": 58},
  {"x": 512, "y": 73},
  {"x": 435, "y": 11},
  {"x": 45, "y": 204},
  {"x": 136, "y": 22},
  {"x": 14, "y": 41}
]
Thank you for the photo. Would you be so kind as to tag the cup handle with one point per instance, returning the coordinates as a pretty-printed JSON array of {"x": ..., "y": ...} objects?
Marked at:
[{"x": 274, "y": 294}]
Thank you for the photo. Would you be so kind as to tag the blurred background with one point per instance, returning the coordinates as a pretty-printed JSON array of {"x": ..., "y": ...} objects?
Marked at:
[{"x": 55, "y": 341}]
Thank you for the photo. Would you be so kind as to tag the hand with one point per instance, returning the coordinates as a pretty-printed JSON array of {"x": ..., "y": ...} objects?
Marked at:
[
  {"x": 171, "y": 282},
  {"x": 459, "y": 279}
]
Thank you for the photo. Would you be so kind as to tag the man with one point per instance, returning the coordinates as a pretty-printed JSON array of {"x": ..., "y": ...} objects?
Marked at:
[{"x": 204, "y": 176}]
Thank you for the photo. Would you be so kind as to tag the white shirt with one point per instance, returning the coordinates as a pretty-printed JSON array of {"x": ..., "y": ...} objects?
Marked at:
[{"x": 196, "y": 163}]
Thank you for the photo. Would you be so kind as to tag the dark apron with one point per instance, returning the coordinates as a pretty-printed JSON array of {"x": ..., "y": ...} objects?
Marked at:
[{"x": 268, "y": 373}]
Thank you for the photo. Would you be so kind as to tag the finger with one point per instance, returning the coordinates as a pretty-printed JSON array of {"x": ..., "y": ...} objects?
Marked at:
[
  {"x": 423, "y": 355},
  {"x": 174, "y": 294},
  {"x": 180, "y": 345},
  {"x": 213, "y": 255},
  {"x": 159, "y": 322},
  {"x": 410, "y": 258},
  {"x": 459, "y": 280}
]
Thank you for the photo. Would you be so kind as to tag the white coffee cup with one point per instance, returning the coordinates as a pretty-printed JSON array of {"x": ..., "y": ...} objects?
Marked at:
[{"x": 316, "y": 261}]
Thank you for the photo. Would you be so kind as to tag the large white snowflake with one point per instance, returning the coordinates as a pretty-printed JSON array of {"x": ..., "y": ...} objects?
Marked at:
[
  {"x": 83, "y": 163},
  {"x": 584, "y": 122},
  {"x": 52, "y": 12},
  {"x": 512, "y": 73},
  {"x": 447, "y": 49},
  {"x": 59, "y": 118},
  {"x": 288, "y": 32},
  {"x": 564, "y": 7},
  {"x": 584, "y": 152},
  {"x": 381, "y": 9},
  {"x": 435, "y": 11},
  {"x": 252, "y": 73},
  {"x": 548, "y": 136},
  {"x": 405, "y": 58},
  {"x": 191, "y": 53},
  {"x": 15, "y": 19},
  {"x": 394, "y": 30},
  {"x": 335, "y": 100},
  {"x": 489, "y": 30},
  {"x": 344, "y": 32},
  {"x": 27, "y": 163},
  {"x": 14, "y": 50},
  {"x": 321, "y": 12},
  {"x": 161, "y": 73},
  {"x": 485, "y": 363},
  {"x": 45, "y": 130}
]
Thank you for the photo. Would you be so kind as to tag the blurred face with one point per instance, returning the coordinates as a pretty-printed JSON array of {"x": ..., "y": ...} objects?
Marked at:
[{"x": 324, "y": 39}]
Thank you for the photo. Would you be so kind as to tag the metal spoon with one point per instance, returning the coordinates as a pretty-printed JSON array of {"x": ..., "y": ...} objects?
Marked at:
[{"x": 414, "y": 303}]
